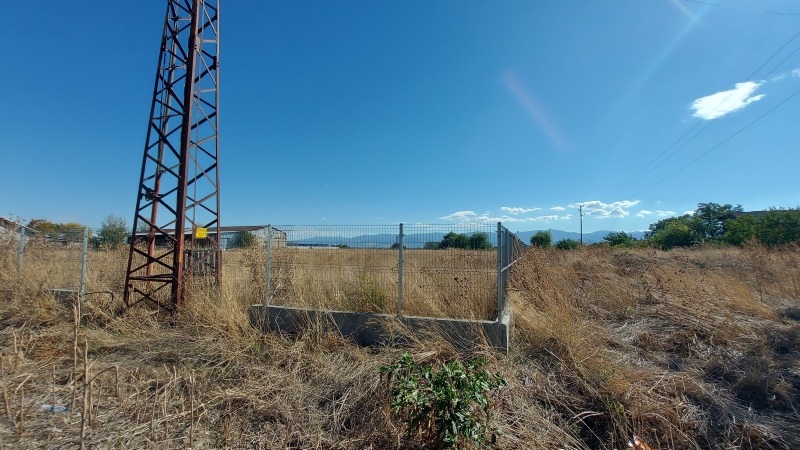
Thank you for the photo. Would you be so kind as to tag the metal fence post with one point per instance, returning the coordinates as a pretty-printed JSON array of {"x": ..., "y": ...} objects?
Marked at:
[
  {"x": 499, "y": 272},
  {"x": 82, "y": 291},
  {"x": 269, "y": 267},
  {"x": 21, "y": 248},
  {"x": 507, "y": 243},
  {"x": 400, "y": 274}
]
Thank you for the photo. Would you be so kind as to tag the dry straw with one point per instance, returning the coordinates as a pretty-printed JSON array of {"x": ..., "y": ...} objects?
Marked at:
[{"x": 687, "y": 349}]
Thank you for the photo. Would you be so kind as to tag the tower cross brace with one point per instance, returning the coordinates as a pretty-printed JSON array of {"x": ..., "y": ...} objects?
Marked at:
[{"x": 178, "y": 196}]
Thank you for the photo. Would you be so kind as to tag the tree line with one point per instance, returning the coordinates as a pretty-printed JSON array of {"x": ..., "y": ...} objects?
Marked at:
[
  {"x": 709, "y": 223},
  {"x": 475, "y": 241},
  {"x": 113, "y": 231}
]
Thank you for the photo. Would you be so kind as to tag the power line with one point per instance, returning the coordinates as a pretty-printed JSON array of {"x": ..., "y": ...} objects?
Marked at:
[
  {"x": 742, "y": 8},
  {"x": 721, "y": 143},
  {"x": 655, "y": 163}
]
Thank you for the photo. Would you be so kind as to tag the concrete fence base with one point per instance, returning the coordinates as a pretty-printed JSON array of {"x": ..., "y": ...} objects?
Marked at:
[{"x": 382, "y": 329}]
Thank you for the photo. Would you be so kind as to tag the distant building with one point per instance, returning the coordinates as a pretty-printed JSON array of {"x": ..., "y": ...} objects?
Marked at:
[
  {"x": 11, "y": 230},
  {"x": 231, "y": 237}
]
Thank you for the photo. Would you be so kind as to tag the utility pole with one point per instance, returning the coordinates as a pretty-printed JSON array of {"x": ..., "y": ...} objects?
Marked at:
[
  {"x": 580, "y": 213},
  {"x": 176, "y": 224}
]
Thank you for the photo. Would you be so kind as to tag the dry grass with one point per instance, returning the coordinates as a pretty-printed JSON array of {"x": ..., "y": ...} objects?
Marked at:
[
  {"x": 436, "y": 283},
  {"x": 687, "y": 349}
]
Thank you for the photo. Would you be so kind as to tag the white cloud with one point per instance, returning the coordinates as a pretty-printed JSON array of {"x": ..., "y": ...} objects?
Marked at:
[
  {"x": 460, "y": 215},
  {"x": 722, "y": 103},
  {"x": 558, "y": 208},
  {"x": 515, "y": 211},
  {"x": 657, "y": 213},
  {"x": 796, "y": 72},
  {"x": 551, "y": 218},
  {"x": 688, "y": 213},
  {"x": 600, "y": 210},
  {"x": 487, "y": 217}
]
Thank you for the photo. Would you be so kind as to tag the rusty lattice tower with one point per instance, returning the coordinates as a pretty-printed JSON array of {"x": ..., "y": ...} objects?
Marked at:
[{"x": 176, "y": 224}]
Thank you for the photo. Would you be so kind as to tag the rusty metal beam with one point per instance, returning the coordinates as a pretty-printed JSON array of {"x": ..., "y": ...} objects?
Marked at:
[{"x": 179, "y": 183}]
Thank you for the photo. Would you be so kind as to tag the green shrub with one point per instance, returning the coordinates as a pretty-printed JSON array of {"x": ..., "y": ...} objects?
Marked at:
[
  {"x": 568, "y": 244},
  {"x": 446, "y": 405},
  {"x": 247, "y": 239},
  {"x": 542, "y": 239},
  {"x": 619, "y": 239}
]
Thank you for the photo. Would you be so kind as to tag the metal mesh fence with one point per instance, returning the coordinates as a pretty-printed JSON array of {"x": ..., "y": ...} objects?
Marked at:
[
  {"x": 453, "y": 271},
  {"x": 55, "y": 259},
  {"x": 421, "y": 270}
]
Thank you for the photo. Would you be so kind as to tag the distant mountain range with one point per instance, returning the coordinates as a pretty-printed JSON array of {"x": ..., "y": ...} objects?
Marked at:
[{"x": 418, "y": 240}]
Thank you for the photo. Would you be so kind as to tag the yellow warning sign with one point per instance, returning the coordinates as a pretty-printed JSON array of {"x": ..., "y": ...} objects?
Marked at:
[{"x": 200, "y": 233}]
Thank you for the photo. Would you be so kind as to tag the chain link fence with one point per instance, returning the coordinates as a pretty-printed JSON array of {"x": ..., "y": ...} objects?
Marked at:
[
  {"x": 452, "y": 271},
  {"x": 448, "y": 271}
]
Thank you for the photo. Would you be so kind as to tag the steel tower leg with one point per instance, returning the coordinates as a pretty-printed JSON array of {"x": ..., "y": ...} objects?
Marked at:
[{"x": 179, "y": 184}]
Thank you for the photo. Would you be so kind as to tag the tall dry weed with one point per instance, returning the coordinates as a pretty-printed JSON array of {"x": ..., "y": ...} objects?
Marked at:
[{"x": 687, "y": 349}]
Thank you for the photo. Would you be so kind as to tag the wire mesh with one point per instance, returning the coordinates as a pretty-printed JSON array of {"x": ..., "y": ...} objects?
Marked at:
[
  {"x": 447, "y": 271},
  {"x": 450, "y": 271},
  {"x": 55, "y": 258}
]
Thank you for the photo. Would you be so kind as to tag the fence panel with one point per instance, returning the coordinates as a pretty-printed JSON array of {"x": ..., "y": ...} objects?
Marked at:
[
  {"x": 442, "y": 278},
  {"x": 448, "y": 271},
  {"x": 55, "y": 259},
  {"x": 347, "y": 268}
]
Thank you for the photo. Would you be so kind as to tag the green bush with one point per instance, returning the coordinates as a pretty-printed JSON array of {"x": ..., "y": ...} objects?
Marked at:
[
  {"x": 619, "y": 239},
  {"x": 542, "y": 239},
  {"x": 477, "y": 241},
  {"x": 446, "y": 405},
  {"x": 568, "y": 244},
  {"x": 247, "y": 239}
]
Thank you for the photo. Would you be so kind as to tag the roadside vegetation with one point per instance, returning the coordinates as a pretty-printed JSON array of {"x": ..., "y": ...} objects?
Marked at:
[
  {"x": 694, "y": 348},
  {"x": 710, "y": 223}
]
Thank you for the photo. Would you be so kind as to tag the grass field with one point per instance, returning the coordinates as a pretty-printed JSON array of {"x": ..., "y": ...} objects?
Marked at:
[
  {"x": 437, "y": 283},
  {"x": 688, "y": 349}
]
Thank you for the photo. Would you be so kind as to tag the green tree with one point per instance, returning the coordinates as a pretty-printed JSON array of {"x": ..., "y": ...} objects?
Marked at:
[
  {"x": 65, "y": 232},
  {"x": 711, "y": 219},
  {"x": 44, "y": 226},
  {"x": 740, "y": 230},
  {"x": 246, "y": 239},
  {"x": 674, "y": 232},
  {"x": 779, "y": 226},
  {"x": 430, "y": 245},
  {"x": 619, "y": 239},
  {"x": 542, "y": 239},
  {"x": 479, "y": 241},
  {"x": 113, "y": 232},
  {"x": 454, "y": 240},
  {"x": 568, "y": 244}
]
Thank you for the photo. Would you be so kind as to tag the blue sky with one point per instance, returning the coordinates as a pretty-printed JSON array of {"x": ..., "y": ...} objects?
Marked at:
[{"x": 363, "y": 112}]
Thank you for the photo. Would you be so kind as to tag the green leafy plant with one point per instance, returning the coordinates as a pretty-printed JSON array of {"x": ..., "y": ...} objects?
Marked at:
[
  {"x": 542, "y": 239},
  {"x": 619, "y": 239},
  {"x": 247, "y": 239},
  {"x": 568, "y": 244},
  {"x": 447, "y": 405}
]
